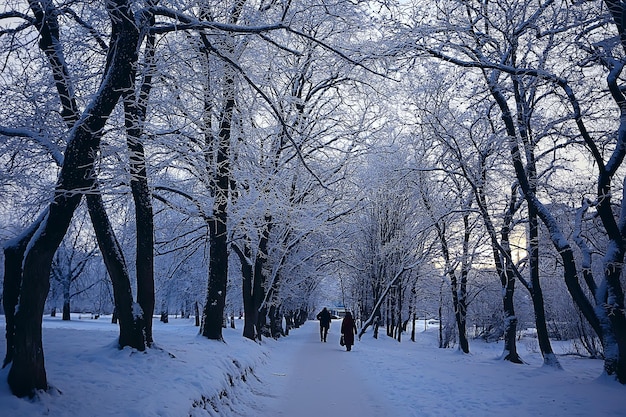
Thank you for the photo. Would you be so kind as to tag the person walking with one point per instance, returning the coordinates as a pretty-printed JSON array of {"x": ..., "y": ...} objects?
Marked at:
[
  {"x": 348, "y": 330},
  {"x": 324, "y": 318}
]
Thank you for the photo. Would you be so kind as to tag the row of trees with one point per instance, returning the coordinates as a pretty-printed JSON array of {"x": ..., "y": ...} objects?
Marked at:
[
  {"x": 421, "y": 155},
  {"x": 214, "y": 117},
  {"x": 523, "y": 78}
]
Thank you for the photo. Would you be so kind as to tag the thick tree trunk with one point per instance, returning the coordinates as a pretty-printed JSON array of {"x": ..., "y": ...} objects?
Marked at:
[
  {"x": 218, "y": 234},
  {"x": 135, "y": 109},
  {"x": 461, "y": 310},
  {"x": 144, "y": 226},
  {"x": 13, "y": 262},
  {"x": 505, "y": 267},
  {"x": 27, "y": 372},
  {"x": 213, "y": 315},
  {"x": 612, "y": 315},
  {"x": 570, "y": 273},
  {"x": 263, "y": 325},
  {"x": 459, "y": 314},
  {"x": 218, "y": 264}
]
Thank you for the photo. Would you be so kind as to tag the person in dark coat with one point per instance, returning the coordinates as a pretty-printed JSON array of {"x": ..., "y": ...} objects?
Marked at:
[
  {"x": 348, "y": 330},
  {"x": 324, "y": 318}
]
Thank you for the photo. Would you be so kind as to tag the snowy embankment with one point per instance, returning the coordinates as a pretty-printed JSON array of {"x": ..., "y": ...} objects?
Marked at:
[
  {"x": 185, "y": 374},
  {"x": 191, "y": 376}
]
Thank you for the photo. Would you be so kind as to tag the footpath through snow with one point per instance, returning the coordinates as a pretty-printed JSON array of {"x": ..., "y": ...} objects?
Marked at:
[
  {"x": 316, "y": 379},
  {"x": 382, "y": 377}
]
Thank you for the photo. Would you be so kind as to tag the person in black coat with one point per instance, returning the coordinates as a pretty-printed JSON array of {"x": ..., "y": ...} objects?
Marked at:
[
  {"x": 348, "y": 330},
  {"x": 324, "y": 318}
]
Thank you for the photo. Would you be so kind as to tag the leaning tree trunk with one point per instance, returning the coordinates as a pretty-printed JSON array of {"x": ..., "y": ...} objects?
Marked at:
[
  {"x": 144, "y": 218},
  {"x": 135, "y": 109},
  {"x": 536, "y": 293},
  {"x": 27, "y": 372},
  {"x": 131, "y": 325}
]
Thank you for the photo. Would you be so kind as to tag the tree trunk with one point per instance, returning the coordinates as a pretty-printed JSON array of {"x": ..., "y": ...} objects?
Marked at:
[
  {"x": 536, "y": 293},
  {"x": 131, "y": 327},
  {"x": 66, "y": 310},
  {"x": 276, "y": 323},
  {"x": 135, "y": 109},
  {"x": 27, "y": 372},
  {"x": 145, "y": 240},
  {"x": 461, "y": 310},
  {"x": 399, "y": 314},
  {"x": 258, "y": 290},
  {"x": 376, "y": 326},
  {"x": 13, "y": 261},
  {"x": 213, "y": 315},
  {"x": 66, "y": 298},
  {"x": 250, "y": 311},
  {"x": 510, "y": 319},
  {"x": 218, "y": 262},
  {"x": 612, "y": 314},
  {"x": 505, "y": 268}
]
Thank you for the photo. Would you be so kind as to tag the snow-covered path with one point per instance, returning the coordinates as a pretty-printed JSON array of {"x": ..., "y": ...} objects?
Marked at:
[{"x": 319, "y": 379}]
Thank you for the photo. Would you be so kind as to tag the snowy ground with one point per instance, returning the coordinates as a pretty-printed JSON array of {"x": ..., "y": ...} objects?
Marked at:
[{"x": 299, "y": 376}]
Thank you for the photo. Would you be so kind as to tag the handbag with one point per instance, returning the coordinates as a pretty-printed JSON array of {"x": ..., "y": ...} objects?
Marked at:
[{"x": 341, "y": 341}]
